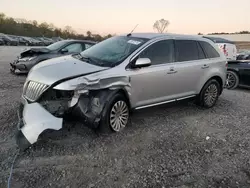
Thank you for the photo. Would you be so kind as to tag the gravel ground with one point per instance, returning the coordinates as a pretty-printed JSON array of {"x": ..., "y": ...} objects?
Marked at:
[{"x": 178, "y": 145}]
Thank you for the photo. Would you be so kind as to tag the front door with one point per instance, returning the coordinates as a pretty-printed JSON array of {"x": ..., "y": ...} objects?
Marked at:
[{"x": 153, "y": 84}]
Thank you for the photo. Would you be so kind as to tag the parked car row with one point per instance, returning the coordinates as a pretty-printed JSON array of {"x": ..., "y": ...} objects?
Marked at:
[{"x": 13, "y": 40}]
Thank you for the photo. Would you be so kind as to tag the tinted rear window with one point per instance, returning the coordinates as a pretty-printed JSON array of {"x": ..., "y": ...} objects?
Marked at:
[
  {"x": 209, "y": 50},
  {"x": 186, "y": 50}
]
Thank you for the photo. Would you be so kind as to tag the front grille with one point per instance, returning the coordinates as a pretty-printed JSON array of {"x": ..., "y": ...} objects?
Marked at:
[{"x": 33, "y": 90}]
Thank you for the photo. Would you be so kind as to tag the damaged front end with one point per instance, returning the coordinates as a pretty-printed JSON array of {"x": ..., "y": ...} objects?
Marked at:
[
  {"x": 26, "y": 60},
  {"x": 44, "y": 107}
]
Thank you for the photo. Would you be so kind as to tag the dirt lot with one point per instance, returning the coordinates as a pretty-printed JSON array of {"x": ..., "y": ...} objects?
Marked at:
[
  {"x": 242, "y": 45},
  {"x": 176, "y": 145}
]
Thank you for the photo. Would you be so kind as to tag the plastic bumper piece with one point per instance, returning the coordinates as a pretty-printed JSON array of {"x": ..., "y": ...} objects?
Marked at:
[{"x": 35, "y": 120}]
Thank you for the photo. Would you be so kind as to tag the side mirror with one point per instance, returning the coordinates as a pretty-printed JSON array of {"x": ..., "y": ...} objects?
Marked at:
[
  {"x": 64, "y": 50},
  {"x": 142, "y": 62}
]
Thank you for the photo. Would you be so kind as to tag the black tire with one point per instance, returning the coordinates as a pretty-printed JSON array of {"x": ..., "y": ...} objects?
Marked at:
[
  {"x": 105, "y": 124},
  {"x": 232, "y": 80},
  {"x": 203, "y": 99}
]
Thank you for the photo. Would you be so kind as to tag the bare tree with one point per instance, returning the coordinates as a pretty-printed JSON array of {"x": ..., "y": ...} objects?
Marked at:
[{"x": 161, "y": 25}]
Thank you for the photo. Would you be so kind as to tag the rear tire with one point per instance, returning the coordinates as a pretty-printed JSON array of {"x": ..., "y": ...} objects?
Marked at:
[
  {"x": 232, "y": 80},
  {"x": 209, "y": 94},
  {"x": 115, "y": 115}
]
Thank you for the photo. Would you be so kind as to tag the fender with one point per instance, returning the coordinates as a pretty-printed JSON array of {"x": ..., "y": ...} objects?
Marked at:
[
  {"x": 213, "y": 72},
  {"x": 90, "y": 106}
]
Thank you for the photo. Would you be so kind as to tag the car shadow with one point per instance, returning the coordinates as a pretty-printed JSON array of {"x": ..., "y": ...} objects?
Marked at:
[{"x": 72, "y": 129}]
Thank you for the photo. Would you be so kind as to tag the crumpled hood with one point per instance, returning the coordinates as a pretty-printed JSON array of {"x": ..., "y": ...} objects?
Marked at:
[
  {"x": 56, "y": 69},
  {"x": 34, "y": 51}
]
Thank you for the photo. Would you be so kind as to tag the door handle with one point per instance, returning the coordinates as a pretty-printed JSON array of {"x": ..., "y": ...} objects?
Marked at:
[
  {"x": 172, "y": 71},
  {"x": 205, "y": 66}
]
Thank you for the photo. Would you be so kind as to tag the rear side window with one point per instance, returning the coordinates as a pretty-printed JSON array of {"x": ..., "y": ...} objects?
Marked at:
[
  {"x": 187, "y": 50},
  {"x": 209, "y": 50},
  {"x": 160, "y": 52}
]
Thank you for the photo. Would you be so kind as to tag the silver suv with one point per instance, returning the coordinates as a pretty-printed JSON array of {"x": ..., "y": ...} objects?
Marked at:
[{"x": 102, "y": 84}]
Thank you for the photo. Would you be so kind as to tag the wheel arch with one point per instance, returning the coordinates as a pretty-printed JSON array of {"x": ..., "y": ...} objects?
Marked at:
[
  {"x": 90, "y": 107},
  {"x": 218, "y": 79},
  {"x": 234, "y": 70},
  {"x": 126, "y": 95}
]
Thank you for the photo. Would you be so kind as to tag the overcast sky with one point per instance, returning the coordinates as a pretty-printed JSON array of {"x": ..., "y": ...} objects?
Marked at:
[{"x": 116, "y": 16}]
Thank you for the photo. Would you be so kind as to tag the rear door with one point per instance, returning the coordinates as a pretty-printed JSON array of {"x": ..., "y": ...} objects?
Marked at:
[{"x": 191, "y": 64}]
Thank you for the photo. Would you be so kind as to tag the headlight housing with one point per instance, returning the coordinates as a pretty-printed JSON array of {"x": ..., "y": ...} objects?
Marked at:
[{"x": 27, "y": 58}]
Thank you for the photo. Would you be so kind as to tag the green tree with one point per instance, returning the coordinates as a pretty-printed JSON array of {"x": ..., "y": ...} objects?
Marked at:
[{"x": 23, "y": 27}]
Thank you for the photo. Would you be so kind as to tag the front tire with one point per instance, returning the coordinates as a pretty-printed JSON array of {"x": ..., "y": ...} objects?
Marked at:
[
  {"x": 115, "y": 115},
  {"x": 209, "y": 94},
  {"x": 232, "y": 80}
]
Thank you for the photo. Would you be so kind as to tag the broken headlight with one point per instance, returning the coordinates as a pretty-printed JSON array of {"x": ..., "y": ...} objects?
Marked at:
[
  {"x": 76, "y": 96},
  {"x": 27, "y": 58},
  {"x": 56, "y": 101}
]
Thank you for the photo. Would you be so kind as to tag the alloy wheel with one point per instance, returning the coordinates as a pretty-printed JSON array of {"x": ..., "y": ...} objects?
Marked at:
[
  {"x": 230, "y": 81},
  {"x": 211, "y": 95},
  {"x": 119, "y": 115}
]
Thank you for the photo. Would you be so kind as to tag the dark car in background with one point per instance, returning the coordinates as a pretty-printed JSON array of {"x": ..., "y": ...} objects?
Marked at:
[
  {"x": 36, "y": 42},
  {"x": 25, "y": 42},
  {"x": 29, "y": 41},
  {"x": 48, "y": 40},
  {"x": 1, "y": 42},
  {"x": 33, "y": 56},
  {"x": 8, "y": 40},
  {"x": 238, "y": 72},
  {"x": 56, "y": 39},
  {"x": 45, "y": 41},
  {"x": 21, "y": 40},
  {"x": 243, "y": 55}
]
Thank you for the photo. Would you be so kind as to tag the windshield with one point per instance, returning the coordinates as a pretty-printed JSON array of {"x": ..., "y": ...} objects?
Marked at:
[
  {"x": 56, "y": 45},
  {"x": 114, "y": 50}
]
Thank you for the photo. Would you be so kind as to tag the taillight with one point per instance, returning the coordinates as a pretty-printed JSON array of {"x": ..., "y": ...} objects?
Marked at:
[{"x": 226, "y": 64}]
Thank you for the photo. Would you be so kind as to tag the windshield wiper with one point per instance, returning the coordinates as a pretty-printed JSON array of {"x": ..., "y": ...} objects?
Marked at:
[{"x": 92, "y": 61}]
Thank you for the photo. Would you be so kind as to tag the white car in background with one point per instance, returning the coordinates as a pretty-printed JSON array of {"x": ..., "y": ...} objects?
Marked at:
[{"x": 226, "y": 46}]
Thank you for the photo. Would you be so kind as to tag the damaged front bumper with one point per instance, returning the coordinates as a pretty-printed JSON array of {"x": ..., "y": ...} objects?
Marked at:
[
  {"x": 21, "y": 66},
  {"x": 18, "y": 68},
  {"x": 33, "y": 120}
]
